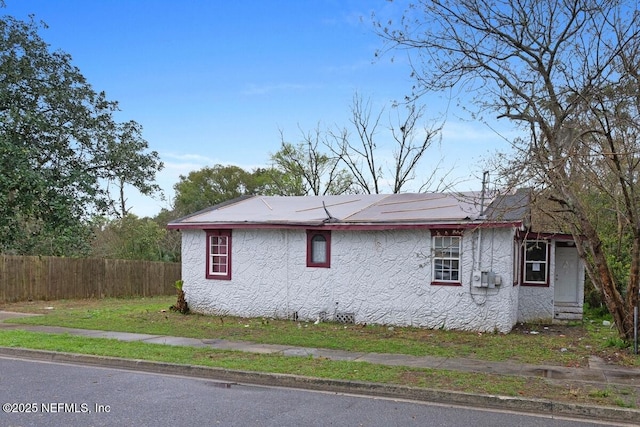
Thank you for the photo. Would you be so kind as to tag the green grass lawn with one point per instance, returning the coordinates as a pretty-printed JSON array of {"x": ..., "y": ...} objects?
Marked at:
[
  {"x": 503, "y": 385},
  {"x": 551, "y": 345},
  {"x": 556, "y": 345}
]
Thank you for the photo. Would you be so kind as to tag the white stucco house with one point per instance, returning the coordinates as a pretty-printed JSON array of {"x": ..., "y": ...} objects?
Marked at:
[{"x": 432, "y": 260}]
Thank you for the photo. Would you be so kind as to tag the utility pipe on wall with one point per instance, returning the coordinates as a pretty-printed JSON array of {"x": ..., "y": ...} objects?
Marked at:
[{"x": 485, "y": 176}]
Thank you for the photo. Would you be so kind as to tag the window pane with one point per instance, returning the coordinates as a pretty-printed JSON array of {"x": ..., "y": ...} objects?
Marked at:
[
  {"x": 447, "y": 247},
  {"x": 446, "y": 260},
  {"x": 454, "y": 249},
  {"x": 318, "y": 249},
  {"x": 536, "y": 272},
  {"x": 219, "y": 258},
  {"x": 536, "y": 251},
  {"x": 535, "y": 262},
  {"x": 219, "y": 264}
]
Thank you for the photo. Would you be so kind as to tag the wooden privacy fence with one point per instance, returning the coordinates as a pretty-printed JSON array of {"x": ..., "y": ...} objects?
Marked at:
[{"x": 25, "y": 278}]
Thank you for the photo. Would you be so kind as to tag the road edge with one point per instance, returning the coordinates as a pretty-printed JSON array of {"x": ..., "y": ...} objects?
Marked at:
[{"x": 534, "y": 406}]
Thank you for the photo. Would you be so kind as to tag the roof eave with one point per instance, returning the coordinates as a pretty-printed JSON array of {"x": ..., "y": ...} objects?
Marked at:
[
  {"x": 346, "y": 225},
  {"x": 210, "y": 209}
]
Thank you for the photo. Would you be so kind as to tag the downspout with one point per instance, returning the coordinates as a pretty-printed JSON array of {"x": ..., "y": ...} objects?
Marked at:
[{"x": 286, "y": 278}]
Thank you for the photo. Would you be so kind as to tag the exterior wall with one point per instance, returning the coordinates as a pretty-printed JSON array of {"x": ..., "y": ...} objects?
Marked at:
[
  {"x": 536, "y": 303},
  {"x": 381, "y": 277}
]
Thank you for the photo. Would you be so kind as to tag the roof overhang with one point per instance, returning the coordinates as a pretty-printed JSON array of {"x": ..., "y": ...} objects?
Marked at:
[
  {"x": 361, "y": 212},
  {"x": 348, "y": 226}
]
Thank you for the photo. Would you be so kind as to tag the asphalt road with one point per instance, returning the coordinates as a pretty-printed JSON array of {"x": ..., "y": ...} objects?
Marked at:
[{"x": 36, "y": 393}]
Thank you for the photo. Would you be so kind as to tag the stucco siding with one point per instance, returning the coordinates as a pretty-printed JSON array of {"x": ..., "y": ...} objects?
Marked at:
[
  {"x": 536, "y": 302},
  {"x": 381, "y": 277}
]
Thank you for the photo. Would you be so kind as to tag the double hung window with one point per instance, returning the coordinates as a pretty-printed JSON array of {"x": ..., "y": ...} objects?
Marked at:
[
  {"x": 535, "y": 259},
  {"x": 446, "y": 258},
  {"x": 219, "y": 254}
]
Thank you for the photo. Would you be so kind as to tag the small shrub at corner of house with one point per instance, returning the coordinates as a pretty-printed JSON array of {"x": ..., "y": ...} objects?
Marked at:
[{"x": 181, "y": 305}]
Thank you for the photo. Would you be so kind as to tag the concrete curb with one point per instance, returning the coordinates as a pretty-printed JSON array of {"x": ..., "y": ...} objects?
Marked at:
[{"x": 537, "y": 406}]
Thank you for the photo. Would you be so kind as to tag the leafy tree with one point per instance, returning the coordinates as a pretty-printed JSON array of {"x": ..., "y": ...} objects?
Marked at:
[
  {"x": 129, "y": 162},
  {"x": 275, "y": 182},
  {"x": 212, "y": 185},
  {"x": 58, "y": 145},
  {"x": 567, "y": 72},
  {"x": 129, "y": 237},
  {"x": 170, "y": 246},
  {"x": 209, "y": 186}
]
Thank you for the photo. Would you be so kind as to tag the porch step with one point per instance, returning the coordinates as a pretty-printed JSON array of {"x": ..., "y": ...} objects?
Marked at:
[{"x": 564, "y": 312}]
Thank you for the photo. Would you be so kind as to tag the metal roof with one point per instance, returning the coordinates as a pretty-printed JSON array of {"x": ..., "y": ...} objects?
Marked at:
[{"x": 352, "y": 209}]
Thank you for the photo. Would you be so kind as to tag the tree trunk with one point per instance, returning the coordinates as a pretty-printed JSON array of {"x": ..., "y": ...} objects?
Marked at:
[
  {"x": 593, "y": 252},
  {"x": 612, "y": 298}
]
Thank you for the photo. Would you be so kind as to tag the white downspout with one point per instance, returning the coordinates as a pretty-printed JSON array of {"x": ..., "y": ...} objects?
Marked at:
[{"x": 288, "y": 285}]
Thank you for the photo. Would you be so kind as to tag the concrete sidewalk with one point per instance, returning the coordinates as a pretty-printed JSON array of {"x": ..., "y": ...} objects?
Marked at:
[{"x": 597, "y": 373}]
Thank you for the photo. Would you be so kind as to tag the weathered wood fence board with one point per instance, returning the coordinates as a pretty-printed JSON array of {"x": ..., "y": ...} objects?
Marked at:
[{"x": 25, "y": 278}]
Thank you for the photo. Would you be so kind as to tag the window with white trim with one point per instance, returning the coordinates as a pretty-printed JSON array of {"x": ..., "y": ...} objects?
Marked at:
[
  {"x": 535, "y": 260},
  {"x": 219, "y": 254},
  {"x": 446, "y": 258}
]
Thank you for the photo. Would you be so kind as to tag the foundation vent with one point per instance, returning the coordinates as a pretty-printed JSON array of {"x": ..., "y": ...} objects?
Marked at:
[{"x": 345, "y": 317}]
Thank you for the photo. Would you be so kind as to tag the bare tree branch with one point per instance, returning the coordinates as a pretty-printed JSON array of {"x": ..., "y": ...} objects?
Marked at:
[{"x": 566, "y": 71}]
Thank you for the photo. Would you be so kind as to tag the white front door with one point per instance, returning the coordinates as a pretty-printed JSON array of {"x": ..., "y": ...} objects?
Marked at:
[{"x": 566, "y": 275}]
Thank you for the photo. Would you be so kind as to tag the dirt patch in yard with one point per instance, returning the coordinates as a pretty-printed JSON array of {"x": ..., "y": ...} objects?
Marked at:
[{"x": 561, "y": 330}]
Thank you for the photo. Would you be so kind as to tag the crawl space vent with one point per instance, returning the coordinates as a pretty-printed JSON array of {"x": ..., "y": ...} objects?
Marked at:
[{"x": 345, "y": 318}]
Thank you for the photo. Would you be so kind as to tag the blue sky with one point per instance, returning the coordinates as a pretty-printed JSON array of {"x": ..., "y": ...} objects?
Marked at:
[{"x": 216, "y": 81}]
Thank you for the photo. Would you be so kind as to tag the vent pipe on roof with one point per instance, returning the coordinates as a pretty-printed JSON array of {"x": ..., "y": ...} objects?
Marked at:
[
  {"x": 329, "y": 217},
  {"x": 476, "y": 274},
  {"x": 485, "y": 178}
]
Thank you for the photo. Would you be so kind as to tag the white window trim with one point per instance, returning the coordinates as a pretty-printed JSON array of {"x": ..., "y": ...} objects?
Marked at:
[
  {"x": 225, "y": 259},
  {"x": 446, "y": 258},
  {"x": 526, "y": 262}
]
